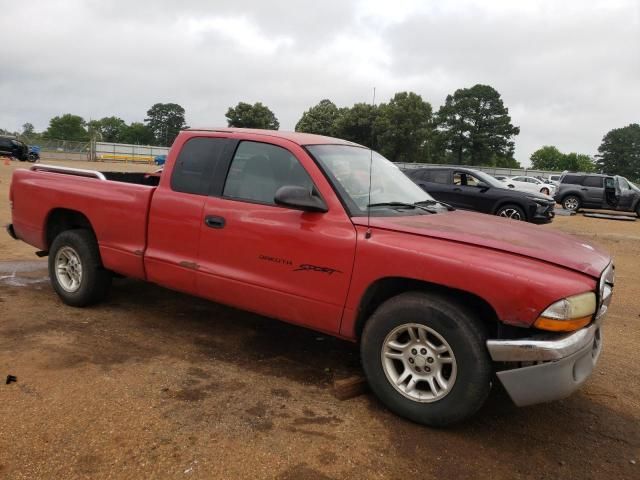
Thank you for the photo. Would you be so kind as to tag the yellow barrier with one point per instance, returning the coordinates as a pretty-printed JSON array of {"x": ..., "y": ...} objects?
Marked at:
[{"x": 126, "y": 158}]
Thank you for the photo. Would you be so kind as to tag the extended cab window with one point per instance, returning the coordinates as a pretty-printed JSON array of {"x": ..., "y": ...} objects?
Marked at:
[
  {"x": 194, "y": 167},
  {"x": 258, "y": 170},
  {"x": 592, "y": 182}
]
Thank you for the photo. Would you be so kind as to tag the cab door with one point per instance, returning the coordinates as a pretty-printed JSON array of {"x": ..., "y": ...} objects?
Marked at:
[
  {"x": 274, "y": 260},
  {"x": 175, "y": 213}
]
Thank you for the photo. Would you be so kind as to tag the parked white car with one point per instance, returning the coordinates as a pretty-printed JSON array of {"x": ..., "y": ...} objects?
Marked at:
[
  {"x": 555, "y": 179},
  {"x": 530, "y": 184}
]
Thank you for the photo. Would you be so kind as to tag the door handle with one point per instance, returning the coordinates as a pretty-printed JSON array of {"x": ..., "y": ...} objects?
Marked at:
[
  {"x": 584, "y": 189},
  {"x": 214, "y": 222}
]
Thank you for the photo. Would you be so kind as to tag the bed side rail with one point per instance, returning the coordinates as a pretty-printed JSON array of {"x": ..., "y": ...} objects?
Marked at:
[{"x": 80, "y": 172}]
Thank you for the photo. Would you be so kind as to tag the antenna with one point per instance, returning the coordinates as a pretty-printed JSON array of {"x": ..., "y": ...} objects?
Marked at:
[{"x": 368, "y": 232}]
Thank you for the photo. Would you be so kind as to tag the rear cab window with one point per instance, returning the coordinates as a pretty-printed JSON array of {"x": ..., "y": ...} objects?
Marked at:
[{"x": 195, "y": 165}]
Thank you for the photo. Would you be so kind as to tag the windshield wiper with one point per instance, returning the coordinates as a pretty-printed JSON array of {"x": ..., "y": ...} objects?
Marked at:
[
  {"x": 402, "y": 205},
  {"x": 435, "y": 202}
]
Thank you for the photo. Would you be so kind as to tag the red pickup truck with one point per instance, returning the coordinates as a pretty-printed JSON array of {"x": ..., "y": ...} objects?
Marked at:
[{"x": 327, "y": 234}]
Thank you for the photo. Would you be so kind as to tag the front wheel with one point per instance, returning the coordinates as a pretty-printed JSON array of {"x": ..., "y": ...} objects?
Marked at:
[
  {"x": 571, "y": 202},
  {"x": 76, "y": 270},
  {"x": 425, "y": 358},
  {"x": 544, "y": 191},
  {"x": 513, "y": 212}
]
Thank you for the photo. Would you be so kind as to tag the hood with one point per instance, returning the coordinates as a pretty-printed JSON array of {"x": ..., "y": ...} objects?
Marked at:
[
  {"x": 530, "y": 195},
  {"x": 511, "y": 236}
]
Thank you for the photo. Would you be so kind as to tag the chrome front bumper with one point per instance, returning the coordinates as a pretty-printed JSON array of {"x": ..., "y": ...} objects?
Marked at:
[
  {"x": 554, "y": 365},
  {"x": 560, "y": 365}
]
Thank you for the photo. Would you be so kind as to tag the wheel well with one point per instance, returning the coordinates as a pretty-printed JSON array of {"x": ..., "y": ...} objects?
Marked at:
[
  {"x": 62, "y": 219},
  {"x": 386, "y": 288}
]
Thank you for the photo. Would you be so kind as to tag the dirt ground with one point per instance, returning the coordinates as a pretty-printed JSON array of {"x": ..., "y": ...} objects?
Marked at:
[{"x": 156, "y": 384}]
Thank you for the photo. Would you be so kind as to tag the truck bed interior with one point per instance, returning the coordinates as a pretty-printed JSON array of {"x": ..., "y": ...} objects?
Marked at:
[{"x": 151, "y": 179}]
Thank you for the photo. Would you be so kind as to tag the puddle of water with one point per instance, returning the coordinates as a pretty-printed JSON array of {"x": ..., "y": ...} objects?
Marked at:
[
  {"x": 14, "y": 281},
  {"x": 23, "y": 273},
  {"x": 22, "y": 266}
]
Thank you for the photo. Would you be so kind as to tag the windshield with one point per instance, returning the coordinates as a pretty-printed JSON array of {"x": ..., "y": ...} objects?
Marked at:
[{"x": 349, "y": 168}]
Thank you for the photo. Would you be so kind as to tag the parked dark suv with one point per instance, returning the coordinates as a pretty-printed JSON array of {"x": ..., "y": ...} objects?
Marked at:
[
  {"x": 592, "y": 190},
  {"x": 471, "y": 189},
  {"x": 14, "y": 148}
]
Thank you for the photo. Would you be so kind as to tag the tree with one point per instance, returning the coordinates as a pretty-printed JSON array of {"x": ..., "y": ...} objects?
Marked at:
[
  {"x": 619, "y": 153},
  {"x": 257, "y": 115},
  {"x": 319, "y": 119},
  {"x": 108, "y": 129},
  {"x": 547, "y": 158},
  {"x": 403, "y": 127},
  {"x": 138, "y": 134},
  {"x": 504, "y": 161},
  {"x": 474, "y": 125},
  {"x": 67, "y": 127},
  {"x": 28, "y": 129},
  {"x": 165, "y": 120},
  {"x": 550, "y": 158},
  {"x": 357, "y": 124},
  {"x": 577, "y": 162}
]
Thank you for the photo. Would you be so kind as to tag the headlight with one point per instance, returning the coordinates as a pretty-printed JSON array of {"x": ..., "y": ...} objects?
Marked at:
[
  {"x": 568, "y": 314},
  {"x": 540, "y": 202}
]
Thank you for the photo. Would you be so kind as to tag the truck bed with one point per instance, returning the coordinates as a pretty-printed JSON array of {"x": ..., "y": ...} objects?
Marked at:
[
  {"x": 137, "y": 178},
  {"x": 116, "y": 202}
]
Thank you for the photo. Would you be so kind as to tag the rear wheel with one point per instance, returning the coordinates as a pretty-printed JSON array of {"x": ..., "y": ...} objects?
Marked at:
[
  {"x": 511, "y": 211},
  {"x": 76, "y": 270},
  {"x": 425, "y": 358},
  {"x": 571, "y": 202}
]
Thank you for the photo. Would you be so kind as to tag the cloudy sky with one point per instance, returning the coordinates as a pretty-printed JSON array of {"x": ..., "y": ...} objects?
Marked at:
[{"x": 568, "y": 71}]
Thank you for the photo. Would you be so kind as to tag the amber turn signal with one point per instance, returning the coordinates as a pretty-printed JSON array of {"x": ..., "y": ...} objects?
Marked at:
[{"x": 554, "y": 325}]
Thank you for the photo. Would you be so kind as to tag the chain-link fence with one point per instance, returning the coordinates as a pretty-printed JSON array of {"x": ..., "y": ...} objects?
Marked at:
[
  {"x": 50, "y": 149},
  {"x": 121, "y": 152}
]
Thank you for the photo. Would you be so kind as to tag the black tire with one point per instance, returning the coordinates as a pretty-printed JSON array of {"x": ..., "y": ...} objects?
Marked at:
[
  {"x": 511, "y": 211},
  {"x": 95, "y": 280},
  {"x": 571, "y": 202},
  {"x": 638, "y": 211},
  {"x": 463, "y": 333}
]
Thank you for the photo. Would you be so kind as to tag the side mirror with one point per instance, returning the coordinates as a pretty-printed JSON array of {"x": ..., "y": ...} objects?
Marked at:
[
  {"x": 511, "y": 186},
  {"x": 483, "y": 186},
  {"x": 299, "y": 198}
]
